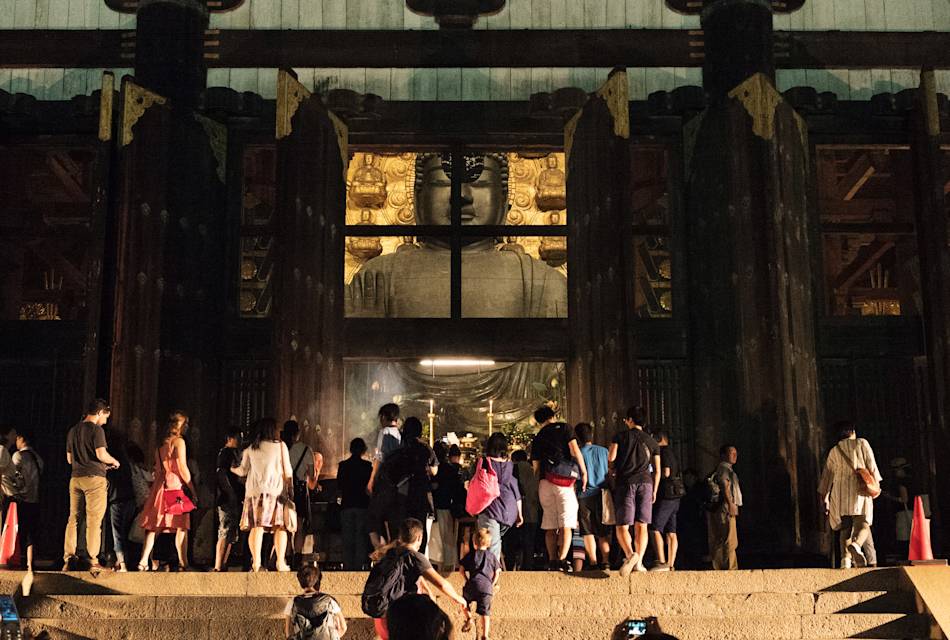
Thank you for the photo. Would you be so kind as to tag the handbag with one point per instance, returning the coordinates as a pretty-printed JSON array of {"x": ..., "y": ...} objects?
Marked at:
[
  {"x": 609, "y": 516},
  {"x": 867, "y": 484},
  {"x": 482, "y": 489},
  {"x": 177, "y": 502},
  {"x": 290, "y": 513}
]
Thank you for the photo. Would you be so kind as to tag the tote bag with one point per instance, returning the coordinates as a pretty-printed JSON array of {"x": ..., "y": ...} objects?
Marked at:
[{"x": 483, "y": 488}]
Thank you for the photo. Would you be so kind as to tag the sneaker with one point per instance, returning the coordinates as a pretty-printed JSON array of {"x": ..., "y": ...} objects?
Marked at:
[
  {"x": 629, "y": 564},
  {"x": 857, "y": 556},
  {"x": 640, "y": 567},
  {"x": 565, "y": 566},
  {"x": 846, "y": 562},
  {"x": 660, "y": 566}
]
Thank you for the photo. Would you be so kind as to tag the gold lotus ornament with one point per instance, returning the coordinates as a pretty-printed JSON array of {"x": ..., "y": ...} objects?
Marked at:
[{"x": 364, "y": 248}]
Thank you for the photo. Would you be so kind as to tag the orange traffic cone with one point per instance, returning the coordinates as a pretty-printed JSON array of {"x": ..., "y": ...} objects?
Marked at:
[
  {"x": 920, "y": 534},
  {"x": 8, "y": 539}
]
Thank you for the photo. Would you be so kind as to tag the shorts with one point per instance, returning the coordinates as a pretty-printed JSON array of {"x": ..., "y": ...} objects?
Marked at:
[
  {"x": 664, "y": 515},
  {"x": 559, "y": 505},
  {"x": 633, "y": 503},
  {"x": 590, "y": 516},
  {"x": 229, "y": 523},
  {"x": 481, "y": 599}
]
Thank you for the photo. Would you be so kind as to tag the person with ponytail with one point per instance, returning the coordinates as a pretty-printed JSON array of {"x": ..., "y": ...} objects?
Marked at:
[{"x": 400, "y": 569}]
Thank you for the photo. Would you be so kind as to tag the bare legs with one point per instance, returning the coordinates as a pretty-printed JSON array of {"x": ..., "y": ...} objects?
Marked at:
[
  {"x": 592, "y": 544},
  {"x": 280, "y": 546},
  {"x": 147, "y": 550},
  {"x": 221, "y": 552},
  {"x": 672, "y": 545},
  {"x": 181, "y": 546},
  {"x": 254, "y": 539},
  {"x": 558, "y": 543}
]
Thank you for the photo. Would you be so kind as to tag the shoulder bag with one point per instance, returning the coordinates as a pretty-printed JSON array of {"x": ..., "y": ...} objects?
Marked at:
[{"x": 867, "y": 484}]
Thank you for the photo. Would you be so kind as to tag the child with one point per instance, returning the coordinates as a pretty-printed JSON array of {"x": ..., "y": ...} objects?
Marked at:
[
  {"x": 230, "y": 500},
  {"x": 398, "y": 570},
  {"x": 481, "y": 571},
  {"x": 313, "y": 615}
]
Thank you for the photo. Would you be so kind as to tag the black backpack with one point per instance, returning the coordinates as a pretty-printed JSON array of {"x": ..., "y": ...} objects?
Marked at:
[
  {"x": 311, "y": 618},
  {"x": 386, "y": 583}
]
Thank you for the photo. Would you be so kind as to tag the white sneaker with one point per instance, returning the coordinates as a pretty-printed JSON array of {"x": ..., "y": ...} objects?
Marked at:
[
  {"x": 640, "y": 567},
  {"x": 846, "y": 562},
  {"x": 629, "y": 564},
  {"x": 857, "y": 556}
]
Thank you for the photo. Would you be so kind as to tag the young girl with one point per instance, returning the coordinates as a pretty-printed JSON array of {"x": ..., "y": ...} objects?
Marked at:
[
  {"x": 481, "y": 570},
  {"x": 398, "y": 570}
]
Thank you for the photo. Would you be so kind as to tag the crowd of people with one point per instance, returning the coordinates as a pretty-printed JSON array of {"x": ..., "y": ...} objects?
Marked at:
[{"x": 413, "y": 514}]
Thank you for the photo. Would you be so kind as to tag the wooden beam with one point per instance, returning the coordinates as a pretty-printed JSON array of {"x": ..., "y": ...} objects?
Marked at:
[
  {"x": 864, "y": 261},
  {"x": 856, "y": 177},
  {"x": 43, "y": 48},
  {"x": 510, "y": 340}
]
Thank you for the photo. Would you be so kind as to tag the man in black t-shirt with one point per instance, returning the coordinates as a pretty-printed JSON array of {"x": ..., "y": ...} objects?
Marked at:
[
  {"x": 88, "y": 454},
  {"x": 230, "y": 500},
  {"x": 634, "y": 458},
  {"x": 667, "y": 505},
  {"x": 352, "y": 476},
  {"x": 557, "y": 461}
]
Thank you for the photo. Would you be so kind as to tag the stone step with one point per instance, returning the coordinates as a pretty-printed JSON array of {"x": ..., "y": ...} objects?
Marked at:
[
  {"x": 787, "y": 581},
  {"x": 819, "y": 627},
  {"x": 506, "y": 605}
]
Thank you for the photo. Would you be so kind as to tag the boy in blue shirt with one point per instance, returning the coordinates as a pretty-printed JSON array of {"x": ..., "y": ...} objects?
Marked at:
[{"x": 590, "y": 506}]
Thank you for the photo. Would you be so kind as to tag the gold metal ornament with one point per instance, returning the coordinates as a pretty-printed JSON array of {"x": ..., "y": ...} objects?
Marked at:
[
  {"x": 218, "y": 141},
  {"x": 136, "y": 101},
  {"x": 760, "y": 99},
  {"x": 290, "y": 93}
]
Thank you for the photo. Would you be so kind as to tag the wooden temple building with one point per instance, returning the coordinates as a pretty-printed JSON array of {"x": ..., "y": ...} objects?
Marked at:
[{"x": 756, "y": 235}]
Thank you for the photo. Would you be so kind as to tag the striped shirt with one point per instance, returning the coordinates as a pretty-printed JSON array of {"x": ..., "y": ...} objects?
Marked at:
[{"x": 839, "y": 484}]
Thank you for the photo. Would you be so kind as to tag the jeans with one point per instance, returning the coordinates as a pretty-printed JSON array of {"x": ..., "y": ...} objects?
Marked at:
[
  {"x": 355, "y": 538},
  {"x": 497, "y": 531},
  {"x": 121, "y": 515},
  {"x": 93, "y": 491}
]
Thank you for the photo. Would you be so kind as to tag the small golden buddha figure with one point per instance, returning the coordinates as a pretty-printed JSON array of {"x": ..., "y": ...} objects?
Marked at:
[
  {"x": 551, "y": 194},
  {"x": 368, "y": 187}
]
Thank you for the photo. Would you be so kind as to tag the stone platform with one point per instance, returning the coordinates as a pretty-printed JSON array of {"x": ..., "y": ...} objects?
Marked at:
[{"x": 790, "y": 604}]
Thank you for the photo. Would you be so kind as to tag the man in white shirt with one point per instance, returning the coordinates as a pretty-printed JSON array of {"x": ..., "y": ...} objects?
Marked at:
[{"x": 849, "y": 511}]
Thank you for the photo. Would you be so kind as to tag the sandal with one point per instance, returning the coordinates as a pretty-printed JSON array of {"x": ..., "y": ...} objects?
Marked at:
[{"x": 143, "y": 566}]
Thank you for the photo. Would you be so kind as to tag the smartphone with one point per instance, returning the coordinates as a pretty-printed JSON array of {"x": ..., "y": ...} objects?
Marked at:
[
  {"x": 636, "y": 628},
  {"x": 8, "y": 612}
]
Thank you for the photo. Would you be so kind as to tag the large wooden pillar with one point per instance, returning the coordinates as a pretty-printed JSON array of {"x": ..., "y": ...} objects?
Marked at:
[
  {"x": 308, "y": 276},
  {"x": 933, "y": 243},
  {"x": 142, "y": 220},
  {"x": 601, "y": 382},
  {"x": 751, "y": 306},
  {"x": 173, "y": 171}
]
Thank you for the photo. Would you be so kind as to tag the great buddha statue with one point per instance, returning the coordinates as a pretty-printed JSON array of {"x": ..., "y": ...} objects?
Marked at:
[{"x": 498, "y": 281}]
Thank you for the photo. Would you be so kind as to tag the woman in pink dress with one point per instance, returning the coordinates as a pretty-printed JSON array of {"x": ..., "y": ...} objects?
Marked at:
[{"x": 171, "y": 474}]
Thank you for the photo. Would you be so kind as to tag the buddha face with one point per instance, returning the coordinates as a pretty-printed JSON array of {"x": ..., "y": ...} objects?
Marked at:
[{"x": 483, "y": 195}]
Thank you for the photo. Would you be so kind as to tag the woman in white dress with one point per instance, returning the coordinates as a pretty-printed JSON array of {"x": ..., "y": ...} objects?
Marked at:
[
  {"x": 266, "y": 467},
  {"x": 850, "y": 512}
]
